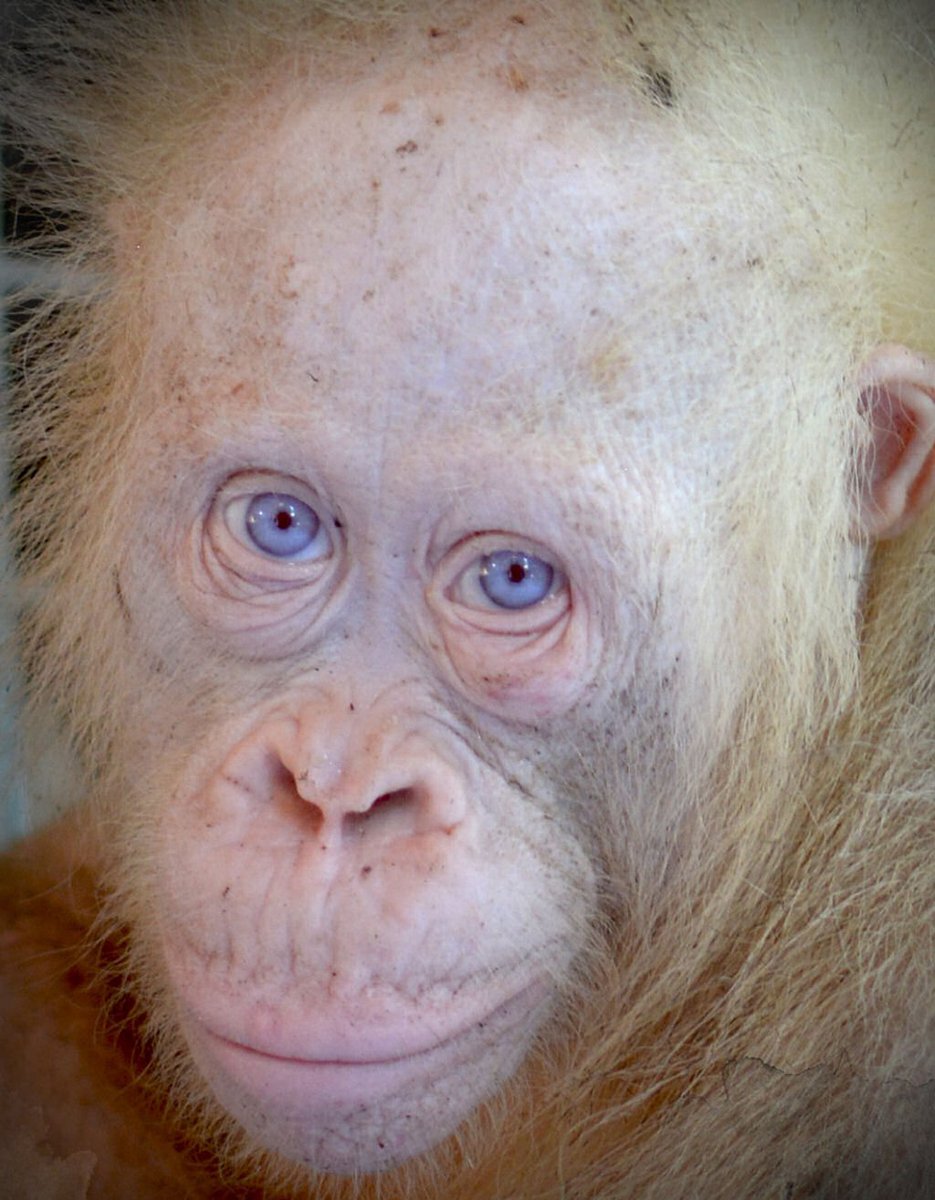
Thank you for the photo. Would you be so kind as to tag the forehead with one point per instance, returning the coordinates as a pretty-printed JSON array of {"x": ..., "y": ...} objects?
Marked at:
[{"x": 491, "y": 225}]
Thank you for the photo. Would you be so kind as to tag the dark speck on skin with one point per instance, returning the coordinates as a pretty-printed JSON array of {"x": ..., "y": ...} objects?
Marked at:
[{"x": 660, "y": 87}]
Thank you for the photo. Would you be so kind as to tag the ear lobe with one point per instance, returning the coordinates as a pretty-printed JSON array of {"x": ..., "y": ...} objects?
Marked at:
[{"x": 897, "y": 394}]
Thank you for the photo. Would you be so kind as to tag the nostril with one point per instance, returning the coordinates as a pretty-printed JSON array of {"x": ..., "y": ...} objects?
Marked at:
[
  {"x": 393, "y": 815},
  {"x": 288, "y": 798}
]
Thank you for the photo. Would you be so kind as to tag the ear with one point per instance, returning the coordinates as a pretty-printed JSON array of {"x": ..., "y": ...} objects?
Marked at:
[{"x": 897, "y": 395}]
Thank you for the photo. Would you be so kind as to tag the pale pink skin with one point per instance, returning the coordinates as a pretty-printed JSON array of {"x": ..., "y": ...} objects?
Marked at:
[
  {"x": 354, "y": 975},
  {"x": 381, "y": 283}
]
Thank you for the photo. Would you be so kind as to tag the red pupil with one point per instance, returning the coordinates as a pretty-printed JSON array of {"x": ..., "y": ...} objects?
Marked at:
[
  {"x": 516, "y": 573},
  {"x": 283, "y": 519}
]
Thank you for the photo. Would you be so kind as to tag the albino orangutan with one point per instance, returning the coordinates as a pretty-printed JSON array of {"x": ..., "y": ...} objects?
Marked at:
[{"x": 472, "y": 525}]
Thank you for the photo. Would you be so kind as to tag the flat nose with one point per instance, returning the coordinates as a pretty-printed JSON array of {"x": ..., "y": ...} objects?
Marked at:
[{"x": 369, "y": 774}]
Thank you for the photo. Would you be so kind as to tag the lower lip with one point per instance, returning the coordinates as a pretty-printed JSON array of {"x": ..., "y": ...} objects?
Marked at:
[
  {"x": 299, "y": 1085},
  {"x": 306, "y": 1085}
]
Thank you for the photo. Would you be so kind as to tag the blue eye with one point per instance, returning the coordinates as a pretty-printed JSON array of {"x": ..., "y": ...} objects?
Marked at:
[
  {"x": 511, "y": 579},
  {"x": 281, "y": 525}
]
